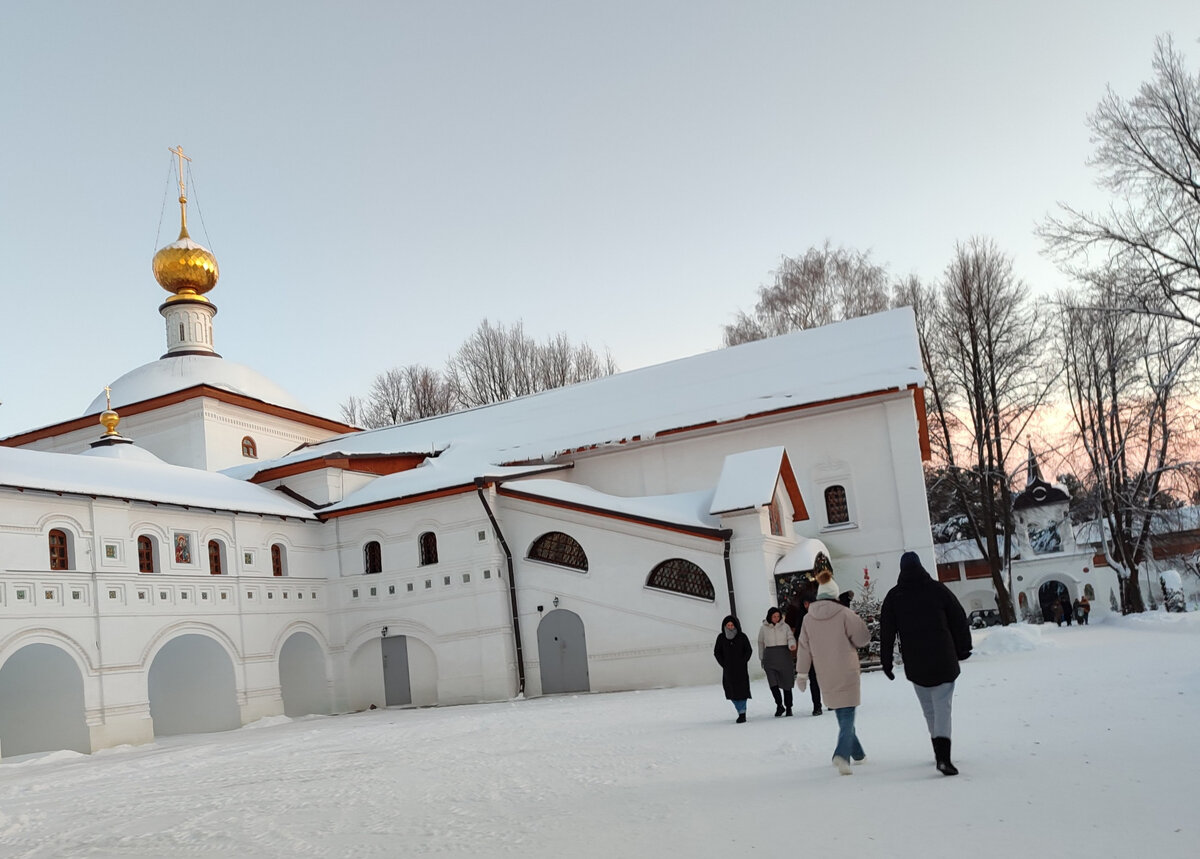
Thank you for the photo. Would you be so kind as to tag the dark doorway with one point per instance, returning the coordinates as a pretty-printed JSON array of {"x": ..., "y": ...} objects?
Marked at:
[
  {"x": 1052, "y": 594},
  {"x": 397, "y": 688}
]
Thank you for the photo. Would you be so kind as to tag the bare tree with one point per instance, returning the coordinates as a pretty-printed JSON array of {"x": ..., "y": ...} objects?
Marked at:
[
  {"x": 825, "y": 285},
  {"x": 1147, "y": 244},
  {"x": 400, "y": 394},
  {"x": 986, "y": 343},
  {"x": 1125, "y": 375},
  {"x": 496, "y": 364}
]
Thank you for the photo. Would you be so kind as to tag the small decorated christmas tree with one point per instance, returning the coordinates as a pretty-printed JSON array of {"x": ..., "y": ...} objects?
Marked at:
[{"x": 866, "y": 605}]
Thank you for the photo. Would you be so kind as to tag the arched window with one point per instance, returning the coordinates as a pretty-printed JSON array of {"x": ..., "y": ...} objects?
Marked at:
[
  {"x": 278, "y": 560},
  {"x": 681, "y": 577},
  {"x": 249, "y": 448},
  {"x": 427, "y": 544},
  {"x": 372, "y": 558},
  {"x": 145, "y": 554},
  {"x": 837, "y": 510},
  {"x": 559, "y": 548},
  {"x": 58, "y": 550},
  {"x": 214, "y": 557}
]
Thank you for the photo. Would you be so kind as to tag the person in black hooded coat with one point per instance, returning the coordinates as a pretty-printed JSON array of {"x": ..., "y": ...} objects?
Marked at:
[
  {"x": 934, "y": 636},
  {"x": 732, "y": 652}
]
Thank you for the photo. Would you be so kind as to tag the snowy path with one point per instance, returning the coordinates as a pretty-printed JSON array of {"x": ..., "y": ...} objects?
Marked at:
[{"x": 1072, "y": 742}]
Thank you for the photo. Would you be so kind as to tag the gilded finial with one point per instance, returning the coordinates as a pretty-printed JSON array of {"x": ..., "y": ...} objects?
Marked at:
[
  {"x": 109, "y": 418},
  {"x": 184, "y": 267}
]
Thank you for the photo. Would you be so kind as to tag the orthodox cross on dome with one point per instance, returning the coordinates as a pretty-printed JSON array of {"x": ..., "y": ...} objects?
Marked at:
[
  {"x": 108, "y": 397},
  {"x": 1032, "y": 473},
  {"x": 178, "y": 152}
]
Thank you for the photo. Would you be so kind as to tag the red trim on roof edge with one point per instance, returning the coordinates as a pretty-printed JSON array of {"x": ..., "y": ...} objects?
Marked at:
[{"x": 171, "y": 399}]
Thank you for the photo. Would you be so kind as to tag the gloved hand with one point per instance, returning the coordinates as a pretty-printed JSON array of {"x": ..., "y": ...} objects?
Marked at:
[
  {"x": 801, "y": 682},
  {"x": 887, "y": 672}
]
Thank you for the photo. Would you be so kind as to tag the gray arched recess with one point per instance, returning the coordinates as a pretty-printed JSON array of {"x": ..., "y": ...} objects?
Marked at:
[{"x": 562, "y": 651}]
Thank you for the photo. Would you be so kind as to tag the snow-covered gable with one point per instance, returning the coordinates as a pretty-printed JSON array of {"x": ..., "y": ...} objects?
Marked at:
[
  {"x": 859, "y": 356},
  {"x": 749, "y": 479},
  {"x": 127, "y": 476}
]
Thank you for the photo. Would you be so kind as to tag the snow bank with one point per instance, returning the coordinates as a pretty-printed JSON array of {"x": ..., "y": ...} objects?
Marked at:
[
  {"x": 1009, "y": 639},
  {"x": 267, "y": 722}
]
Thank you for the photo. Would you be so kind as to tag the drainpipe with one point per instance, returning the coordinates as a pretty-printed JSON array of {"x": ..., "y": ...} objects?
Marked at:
[
  {"x": 512, "y": 586},
  {"x": 727, "y": 536}
]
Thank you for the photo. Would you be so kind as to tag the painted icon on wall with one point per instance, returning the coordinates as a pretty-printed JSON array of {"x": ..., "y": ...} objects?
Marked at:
[{"x": 183, "y": 548}]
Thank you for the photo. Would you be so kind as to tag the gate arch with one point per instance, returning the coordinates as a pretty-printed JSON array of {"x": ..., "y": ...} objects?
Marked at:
[{"x": 43, "y": 705}]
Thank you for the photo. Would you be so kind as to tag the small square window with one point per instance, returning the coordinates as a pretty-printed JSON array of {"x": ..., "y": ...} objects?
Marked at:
[
  {"x": 428, "y": 584},
  {"x": 482, "y": 536},
  {"x": 183, "y": 595},
  {"x": 354, "y": 593},
  {"x": 224, "y": 595},
  {"x": 409, "y": 587},
  {"x": 299, "y": 595},
  {"x": 75, "y": 595},
  {"x": 162, "y": 595},
  {"x": 112, "y": 595},
  {"x": 487, "y": 574},
  {"x": 20, "y": 593},
  {"x": 391, "y": 590},
  {"x": 466, "y": 578},
  {"x": 270, "y": 595},
  {"x": 204, "y": 596},
  {"x": 374, "y": 592},
  {"x": 249, "y": 595},
  {"x": 285, "y": 594},
  {"x": 141, "y": 594},
  {"x": 445, "y": 580},
  {"x": 49, "y": 595},
  {"x": 314, "y": 594}
]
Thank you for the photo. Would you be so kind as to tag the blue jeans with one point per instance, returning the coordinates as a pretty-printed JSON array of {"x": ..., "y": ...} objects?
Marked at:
[
  {"x": 848, "y": 746},
  {"x": 739, "y": 704}
]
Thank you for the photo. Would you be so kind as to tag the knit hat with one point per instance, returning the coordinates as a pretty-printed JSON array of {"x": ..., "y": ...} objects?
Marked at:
[
  {"x": 911, "y": 561},
  {"x": 827, "y": 588}
]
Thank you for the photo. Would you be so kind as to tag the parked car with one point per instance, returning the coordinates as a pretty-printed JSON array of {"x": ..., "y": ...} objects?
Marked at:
[{"x": 984, "y": 617}]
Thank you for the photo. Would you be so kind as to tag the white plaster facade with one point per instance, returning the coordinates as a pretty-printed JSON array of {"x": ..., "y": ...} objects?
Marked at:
[{"x": 103, "y": 645}]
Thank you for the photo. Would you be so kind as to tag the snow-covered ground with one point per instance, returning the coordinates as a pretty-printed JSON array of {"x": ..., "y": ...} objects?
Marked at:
[{"x": 1071, "y": 742}]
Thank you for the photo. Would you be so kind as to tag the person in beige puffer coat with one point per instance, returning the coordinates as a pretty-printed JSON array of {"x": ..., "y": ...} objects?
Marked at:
[
  {"x": 829, "y": 639},
  {"x": 776, "y": 655}
]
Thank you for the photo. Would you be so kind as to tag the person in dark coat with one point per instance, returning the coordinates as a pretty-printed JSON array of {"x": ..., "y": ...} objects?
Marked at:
[
  {"x": 797, "y": 609},
  {"x": 935, "y": 637},
  {"x": 732, "y": 652}
]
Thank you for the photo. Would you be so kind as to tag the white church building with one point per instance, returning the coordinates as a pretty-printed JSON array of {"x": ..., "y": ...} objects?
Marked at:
[{"x": 197, "y": 551}]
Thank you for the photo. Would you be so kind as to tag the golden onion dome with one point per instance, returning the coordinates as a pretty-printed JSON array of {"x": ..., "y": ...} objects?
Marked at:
[
  {"x": 186, "y": 268},
  {"x": 109, "y": 420}
]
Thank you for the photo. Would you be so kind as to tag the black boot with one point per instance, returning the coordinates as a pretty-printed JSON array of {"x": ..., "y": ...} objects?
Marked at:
[
  {"x": 941, "y": 752},
  {"x": 787, "y": 702},
  {"x": 778, "y": 701},
  {"x": 741, "y": 718}
]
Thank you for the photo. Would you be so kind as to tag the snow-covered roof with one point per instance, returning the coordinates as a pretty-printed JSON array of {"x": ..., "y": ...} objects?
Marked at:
[
  {"x": 747, "y": 480},
  {"x": 431, "y": 475},
  {"x": 858, "y": 356},
  {"x": 178, "y": 372},
  {"x": 688, "y": 509},
  {"x": 802, "y": 557},
  {"x": 958, "y": 551},
  {"x": 124, "y": 475}
]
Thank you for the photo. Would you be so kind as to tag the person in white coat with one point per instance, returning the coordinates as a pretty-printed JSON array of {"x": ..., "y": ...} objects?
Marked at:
[{"x": 776, "y": 654}]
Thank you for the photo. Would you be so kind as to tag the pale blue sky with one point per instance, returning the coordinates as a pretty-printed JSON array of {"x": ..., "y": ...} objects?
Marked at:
[{"x": 375, "y": 178}]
